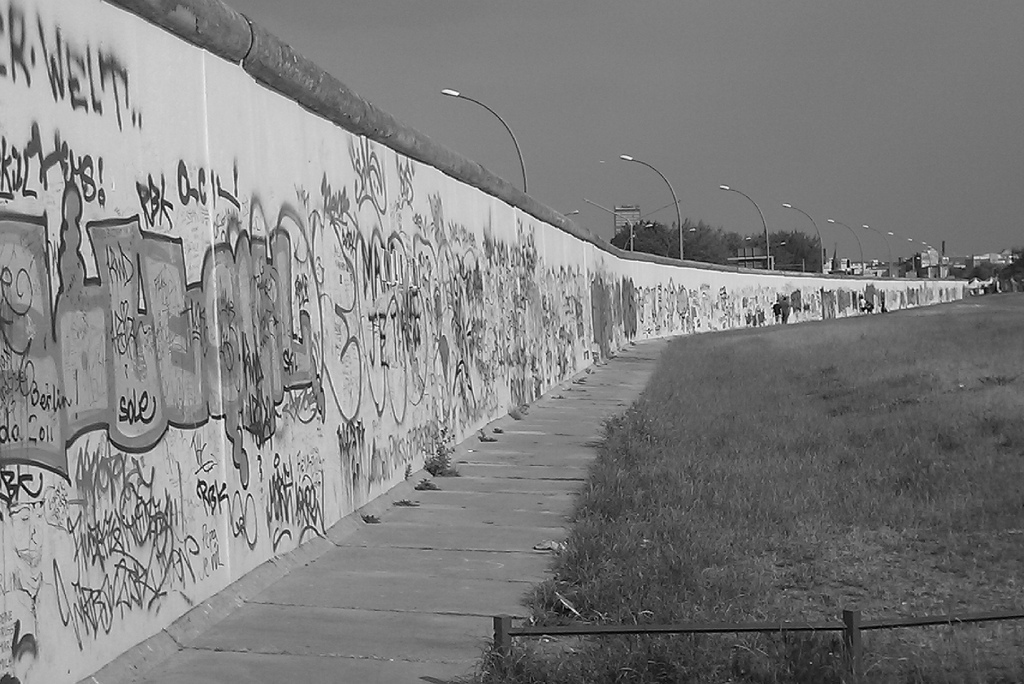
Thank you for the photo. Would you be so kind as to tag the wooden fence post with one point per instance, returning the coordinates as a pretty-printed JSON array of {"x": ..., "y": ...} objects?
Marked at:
[
  {"x": 502, "y": 639},
  {"x": 851, "y": 640}
]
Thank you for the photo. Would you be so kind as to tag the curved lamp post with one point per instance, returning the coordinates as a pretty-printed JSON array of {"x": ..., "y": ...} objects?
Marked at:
[
  {"x": 887, "y": 245},
  {"x": 595, "y": 204},
  {"x": 675, "y": 199},
  {"x": 821, "y": 246},
  {"x": 855, "y": 237},
  {"x": 767, "y": 247},
  {"x": 455, "y": 93}
]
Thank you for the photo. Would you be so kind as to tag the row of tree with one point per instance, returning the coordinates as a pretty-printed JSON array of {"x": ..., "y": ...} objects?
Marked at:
[
  {"x": 792, "y": 250},
  {"x": 1013, "y": 271}
]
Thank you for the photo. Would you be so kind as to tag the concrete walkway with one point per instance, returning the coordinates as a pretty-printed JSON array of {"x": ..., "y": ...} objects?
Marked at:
[{"x": 409, "y": 600}]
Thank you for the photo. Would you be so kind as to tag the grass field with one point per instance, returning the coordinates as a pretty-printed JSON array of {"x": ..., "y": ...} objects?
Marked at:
[{"x": 784, "y": 473}]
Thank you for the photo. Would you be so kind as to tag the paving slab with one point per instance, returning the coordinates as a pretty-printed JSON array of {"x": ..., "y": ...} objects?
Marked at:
[
  {"x": 345, "y": 633},
  {"x": 456, "y": 537},
  {"x": 576, "y": 456},
  {"x": 489, "y": 485},
  {"x": 403, "y": 593},
  {"x": 410, "y": 600},
  {"x": 195, "y": 666},
  {"x": 440, "y": 563},
  {"x": 446, "y": 515},
  {"x": 515, "y": 471},
  {"x": 511, "y": 501}
]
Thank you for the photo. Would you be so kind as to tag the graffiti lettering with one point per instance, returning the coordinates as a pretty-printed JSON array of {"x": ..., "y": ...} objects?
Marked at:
[
  {"x": 142, "y": 315},
  {"x": 16, "y": 485},
  {"x": 214, "y": 495},
  {"x": 242, "y": 518},
  {"x": 87, "y": 78},
  {"x": 294, "y": 508},
  {"x": 128, "y": 549},
  {"x": 16, "y": 168},
  {"x": 197, "y": 189},
  {"x": 303, "y": 405},
  {"x": 156, "y": 208},
  {"x": 136, "y": 409},
  {"x": 203, "y": 464}
]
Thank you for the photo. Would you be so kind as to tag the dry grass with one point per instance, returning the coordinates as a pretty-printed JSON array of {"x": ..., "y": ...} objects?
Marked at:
[{"x": 785, "y": 473}]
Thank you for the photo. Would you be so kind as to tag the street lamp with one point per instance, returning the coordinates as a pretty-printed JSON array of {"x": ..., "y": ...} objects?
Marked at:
[
  {"x": 767, "y": 248},
  {"x": 856, "y": 237},
  {"x": 675, "y": 199},
  {"x": 616, "y": 215},
  {"x": 595, "y": 204},
  {"x": 821, "y": 246},
  {"x": 455, "y": 93},
  {"x": 887, "y": 245},
  {"x": 651, "y": 213}
]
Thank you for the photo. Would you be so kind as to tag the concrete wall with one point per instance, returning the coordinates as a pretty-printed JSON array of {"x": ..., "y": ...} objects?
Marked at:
[{"x": 226, "y": 322}]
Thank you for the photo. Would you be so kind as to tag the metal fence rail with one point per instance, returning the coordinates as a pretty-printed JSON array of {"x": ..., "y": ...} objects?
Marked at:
[{"x": 851, "y": 627}]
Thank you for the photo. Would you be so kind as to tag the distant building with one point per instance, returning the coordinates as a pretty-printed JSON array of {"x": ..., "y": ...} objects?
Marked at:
[
  {"x": 844, "y": 266},
  {"x": 993, "y": 258},
  {"x": 626, "y": 215},
  {"x": 752, "y": 257},
  {"x": 876, "y": 268},
  {"x": 927, "y": 258},
  {"x": 930, "y": 264}
]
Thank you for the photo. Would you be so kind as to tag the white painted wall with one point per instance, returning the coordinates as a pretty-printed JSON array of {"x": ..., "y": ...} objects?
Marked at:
[{"x": 226, "y": 323}]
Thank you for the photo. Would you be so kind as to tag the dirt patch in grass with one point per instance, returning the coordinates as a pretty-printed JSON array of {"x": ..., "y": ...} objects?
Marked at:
[{"x": 788, "y": 473}]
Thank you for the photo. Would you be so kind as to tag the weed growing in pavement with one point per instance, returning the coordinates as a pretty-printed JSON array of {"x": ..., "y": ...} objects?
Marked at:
[
  {"x": 426, "y": 485},
  {"x": 788, "y": 472},
  {"x": 439, "y": 463}
]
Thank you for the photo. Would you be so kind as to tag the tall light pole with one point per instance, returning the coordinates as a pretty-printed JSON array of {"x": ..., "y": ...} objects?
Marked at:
[
  {"x": 616, "y": 215},
  {"x": 675, "y": 199},
  {"x": 887, "y": 245},
  {"x": 767, "y": 248},
  {"x": 455, "y": 93},
  {"x": 893, "y": 235},
  {"x": 821, "y": 246},
  {"x": 855, "y": 237}
]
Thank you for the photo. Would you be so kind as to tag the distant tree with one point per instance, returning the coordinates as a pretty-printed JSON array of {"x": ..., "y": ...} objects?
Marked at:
[
  {"x": 702, "y": 242},
  {"x": 648, "y": 237},
  {"x": 982, "y": 271},
  {"x": 801, "y": 252},
  {"x": 1015, "y": 269},
  {"x": 715, "y": 245},
  {"x": 655, "y": 238}
]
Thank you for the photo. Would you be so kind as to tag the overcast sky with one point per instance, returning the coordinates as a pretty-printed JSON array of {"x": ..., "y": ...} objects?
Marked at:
[{"x": 907, "y": 116}]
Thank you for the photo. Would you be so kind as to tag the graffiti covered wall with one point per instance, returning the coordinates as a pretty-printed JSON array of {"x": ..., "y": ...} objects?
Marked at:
[{"x": 226, "y": 323}]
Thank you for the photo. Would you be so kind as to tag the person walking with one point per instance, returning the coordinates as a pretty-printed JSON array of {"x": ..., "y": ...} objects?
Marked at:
[{"x": 785, "y": 308}]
